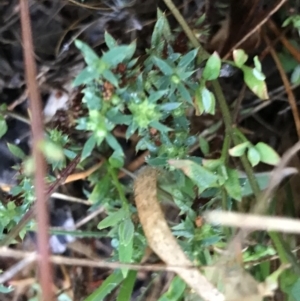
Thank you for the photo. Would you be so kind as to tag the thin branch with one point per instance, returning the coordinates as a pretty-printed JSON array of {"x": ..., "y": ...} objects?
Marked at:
[
  {"x": 202, "y": 54},
  {"x": 45, "y": 269},
  {"x": 134, "y": 165},
  {"x": 69, "y": 198},
  {"x": 99, "y": 263},
  {"x": 256, "y": 28},
  {"x": 15, "y": 269},
  {"x": 89, "y": 217},
  {"x": 288, "y": 88},
  {"x": 253, "y": 222},
  {"x": 287, "y": 44}
]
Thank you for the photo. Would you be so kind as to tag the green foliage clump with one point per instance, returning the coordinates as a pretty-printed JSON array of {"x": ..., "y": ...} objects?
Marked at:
[{"x": 152, "y": 97}]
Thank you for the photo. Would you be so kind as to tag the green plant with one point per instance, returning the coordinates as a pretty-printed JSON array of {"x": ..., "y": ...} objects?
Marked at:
[{"x": 151, "y": 97}]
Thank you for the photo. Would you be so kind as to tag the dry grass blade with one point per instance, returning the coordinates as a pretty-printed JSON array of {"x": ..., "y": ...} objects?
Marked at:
[
  {"x": 253, "y": 222},
  {"x": 7, "y": 275},
  {"x": 99, "y": 263},
  {"x": 160, "y": 237},
  {"x": 44, "y": 266}
]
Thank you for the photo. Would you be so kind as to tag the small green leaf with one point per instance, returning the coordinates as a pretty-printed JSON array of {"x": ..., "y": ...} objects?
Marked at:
[
  {"x": 262, "y": 179},
  {"x": 88, "y": 147},
  {"x": 157, "y": 161},
  {"x": 28, "y": 166},
  {"x": 188, "y": 58},
  {"x": 5, "y": 289},
  {"x": 3, "y": 126},
  {"x": 158, "y": 29},
  {"x": 119, "y": 54},
  {"x": 51, "y": 150},
  {"x": 163, "y": 66},
  {"x": 161, "y": 29},
  {"x": 204, "y": 146},
  {"x": 259, "y": 75},
  {"x": 108, "y": 75},
  {"x": 202, "y": 177},
  {"x": 116, "y": 160},
  {"x": 125, "y": 254},
  {"x": 212, "y": 164},
  {"x": 113, "y": 143},
  {"x": 101, "y": 189},
  {"x": 89, "y": 54},
  {"x": 257, "y": 63},
  {"x": 16, "y": 151},
  {"x": 295, "y": 77},
  {"x": 85, "y": 76},
  {"x": 127, "y": 286},
  {"x": 257, "y": 86},
  {"x": 109, "y": 284},
  {"x": 159, "y": 126},
  {"x": 208, "y": 100},
  {"x": 185, "y": 94},
  {"x": 198, "y": 104},
  {"x": 175, "y": 291},
  {"x": 239, "y": 150},
  {"x": 212, "y": 67},
  {"x": 109, "y": 40},
  {"x": 239, "y": 57},
  {"x": 126, "y": 231},
  {"x": 232, "y": 184},
  {"x": 170, "y": 106},
  {"x": 112, "y": 219},
  {"x": 253, "y": 156},
  {"x": 155, "y": 96},
  {"x": 267, "y": 154},
  {"x": 204, "y": 101},
  {"x": 295, "y": 287}
]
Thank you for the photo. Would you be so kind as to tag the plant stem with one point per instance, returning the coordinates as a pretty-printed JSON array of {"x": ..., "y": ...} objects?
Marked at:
[
  {"x": 229, "y": 132},
  {"x": 202, "y": 54},
  {"x": 117, "y": 184},
  {"x": 284, "y": 252}
]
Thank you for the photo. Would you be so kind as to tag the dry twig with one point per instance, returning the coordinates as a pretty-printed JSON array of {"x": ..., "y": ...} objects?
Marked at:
[
  {"x": 160, "y": 238},
  {"x": 289, "y": 91},
  {"x": 253, "y": 222},
  {"x": 45, "y": 269},
  {"x": 256, "y": 28}
]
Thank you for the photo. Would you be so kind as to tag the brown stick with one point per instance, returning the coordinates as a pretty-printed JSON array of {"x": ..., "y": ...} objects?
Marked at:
[
  {"x": 289, "y": 46},
  {"x": 286, "y": 83},
  {"x": 135, "y": 164},
  {"x": 44, "y": 266}
]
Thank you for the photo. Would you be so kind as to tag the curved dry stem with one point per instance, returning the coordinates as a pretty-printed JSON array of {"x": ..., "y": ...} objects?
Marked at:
[{"x": 160, "y": 238}]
